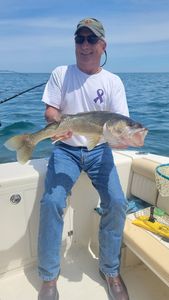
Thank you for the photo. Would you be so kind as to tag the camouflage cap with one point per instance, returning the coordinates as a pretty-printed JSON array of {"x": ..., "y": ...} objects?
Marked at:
[{"x": 94, "y": 25}]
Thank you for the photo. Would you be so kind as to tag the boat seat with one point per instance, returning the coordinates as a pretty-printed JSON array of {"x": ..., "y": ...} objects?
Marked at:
[
  {"x": 150, "y": 249},
  {"x": 143, "y": 183}
]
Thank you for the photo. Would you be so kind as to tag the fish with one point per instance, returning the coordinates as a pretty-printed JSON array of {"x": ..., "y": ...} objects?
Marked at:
[{"x": 117, "y": 130}]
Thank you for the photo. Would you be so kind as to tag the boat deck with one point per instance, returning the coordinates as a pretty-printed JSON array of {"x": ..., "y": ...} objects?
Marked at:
[{"x": 80, "y": 279}]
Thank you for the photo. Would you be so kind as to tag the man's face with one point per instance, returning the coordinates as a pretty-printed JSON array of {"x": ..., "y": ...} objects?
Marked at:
[{"x": 87, "y": 53}]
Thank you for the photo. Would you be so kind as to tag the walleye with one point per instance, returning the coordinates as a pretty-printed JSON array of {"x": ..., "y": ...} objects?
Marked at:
[{"x": 116, "y": 130}]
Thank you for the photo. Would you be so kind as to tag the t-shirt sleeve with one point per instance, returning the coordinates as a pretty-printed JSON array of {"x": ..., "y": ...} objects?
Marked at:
[
  {"x": 119, "y": 102},
  {"x": 52, "y": 91}
]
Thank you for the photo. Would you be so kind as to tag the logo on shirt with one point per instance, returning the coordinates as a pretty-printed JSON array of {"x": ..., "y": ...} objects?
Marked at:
[{"x": 99, "y": 97}]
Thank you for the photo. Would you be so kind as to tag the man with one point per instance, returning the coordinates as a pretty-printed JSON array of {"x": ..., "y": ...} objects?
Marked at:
[{"x": 83, "y": 87}]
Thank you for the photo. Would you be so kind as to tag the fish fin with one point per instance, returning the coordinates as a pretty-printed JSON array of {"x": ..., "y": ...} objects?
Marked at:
[
  {"x": 22, "y": 145},
  {"x": 110, "y": 136},
  {"x": 92, "y": 141}
]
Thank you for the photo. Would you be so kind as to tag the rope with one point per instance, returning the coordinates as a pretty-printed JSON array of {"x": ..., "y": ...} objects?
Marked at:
[
  {"x": 23, "y": 92},
  {"x": 162, "y": 179}
]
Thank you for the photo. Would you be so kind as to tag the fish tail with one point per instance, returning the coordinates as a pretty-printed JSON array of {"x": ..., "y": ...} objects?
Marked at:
[{"x": 23, "y": 146}]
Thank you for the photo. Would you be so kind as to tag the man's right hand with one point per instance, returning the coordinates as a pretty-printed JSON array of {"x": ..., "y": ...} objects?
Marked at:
[{"x": 62, "y": 137}]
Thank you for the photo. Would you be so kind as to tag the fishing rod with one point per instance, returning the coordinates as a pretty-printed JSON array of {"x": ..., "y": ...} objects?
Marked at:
[{"x": 22, "y": 92}]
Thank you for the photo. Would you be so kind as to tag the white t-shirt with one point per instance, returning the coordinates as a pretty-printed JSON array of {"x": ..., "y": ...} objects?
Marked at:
[{"x": 73, "y": 91}]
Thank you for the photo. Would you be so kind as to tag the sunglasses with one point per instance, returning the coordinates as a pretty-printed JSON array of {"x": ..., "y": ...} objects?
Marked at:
[{"x": 91, "y": 39}]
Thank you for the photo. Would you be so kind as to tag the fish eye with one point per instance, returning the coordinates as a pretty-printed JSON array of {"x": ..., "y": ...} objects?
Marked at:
[{"x": 137, "y": 125}]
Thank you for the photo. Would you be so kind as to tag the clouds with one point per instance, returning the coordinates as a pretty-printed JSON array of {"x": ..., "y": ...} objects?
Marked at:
[
  {"x": 140, "y": 32},
  {"x": 43, "y": 32},
  {"x": 127, "y": 28}
]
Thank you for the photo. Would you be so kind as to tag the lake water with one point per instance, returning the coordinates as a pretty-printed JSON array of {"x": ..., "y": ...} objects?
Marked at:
[{"x": 148, "y": 100}]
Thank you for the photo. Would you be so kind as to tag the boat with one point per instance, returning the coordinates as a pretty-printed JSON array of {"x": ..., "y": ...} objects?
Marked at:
[{"x": 145, "y": 255}]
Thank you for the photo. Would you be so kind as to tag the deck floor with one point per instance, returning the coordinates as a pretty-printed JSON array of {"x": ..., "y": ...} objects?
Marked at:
[{"x": 80, "y": 279}]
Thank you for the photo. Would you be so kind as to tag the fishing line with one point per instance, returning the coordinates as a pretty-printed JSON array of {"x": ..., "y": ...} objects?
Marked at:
[{"x": 22, "y": 92}]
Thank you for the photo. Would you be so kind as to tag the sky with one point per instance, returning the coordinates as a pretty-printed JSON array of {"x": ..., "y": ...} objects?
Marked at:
[{"x": 38, "y": 35}]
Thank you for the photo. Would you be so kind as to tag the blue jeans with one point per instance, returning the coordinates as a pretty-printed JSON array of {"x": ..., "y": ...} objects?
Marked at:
[{"x": 65, "y": 166}]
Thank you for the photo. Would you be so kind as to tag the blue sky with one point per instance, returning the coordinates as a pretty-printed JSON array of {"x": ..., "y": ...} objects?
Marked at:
[{"x": 37, "y": 35}]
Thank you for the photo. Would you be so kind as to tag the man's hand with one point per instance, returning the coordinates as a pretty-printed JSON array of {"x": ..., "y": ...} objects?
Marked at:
[{"x": 62, "y": 137}]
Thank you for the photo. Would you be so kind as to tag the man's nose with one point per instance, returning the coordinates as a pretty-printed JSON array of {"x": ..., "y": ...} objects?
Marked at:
[{"x": 85, "y": 44}]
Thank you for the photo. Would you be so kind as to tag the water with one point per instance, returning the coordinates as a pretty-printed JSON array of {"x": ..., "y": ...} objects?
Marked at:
[{"x": 148, "y": 100}]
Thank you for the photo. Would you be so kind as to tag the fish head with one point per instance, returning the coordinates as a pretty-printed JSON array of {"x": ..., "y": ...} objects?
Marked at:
[
  {"x": 124, "y": 132},
  {"x": 136, "y": 136}
]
